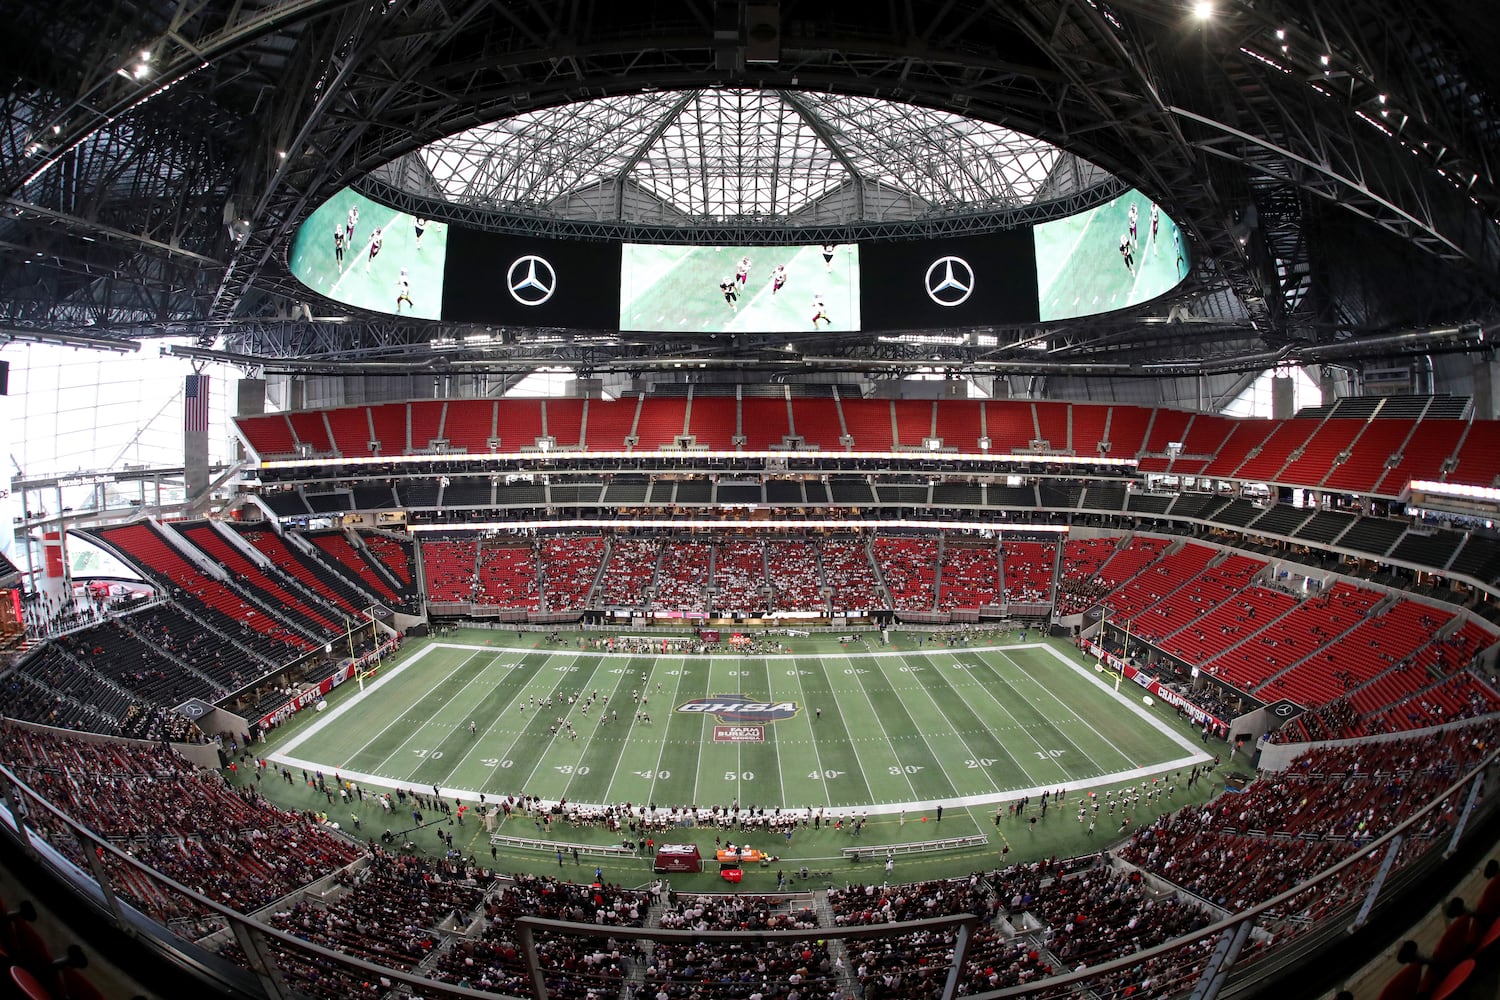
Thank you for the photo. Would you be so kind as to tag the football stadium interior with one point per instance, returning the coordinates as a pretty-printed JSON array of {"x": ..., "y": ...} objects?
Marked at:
[{"x": 749, "y": 499}]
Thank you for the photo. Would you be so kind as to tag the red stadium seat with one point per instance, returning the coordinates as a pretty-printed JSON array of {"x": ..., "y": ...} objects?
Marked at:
[
  {"x": 1455, "y": 983},
  {"x": 28, "y": 986},
  {"x": 1404, "y": 984}
]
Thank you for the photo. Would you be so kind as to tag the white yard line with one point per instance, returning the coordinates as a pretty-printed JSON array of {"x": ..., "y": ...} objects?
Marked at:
[
  {"x": 935, "y": 755},
  {"x": 1025, "y": 772},
  {"x": 883, "y": 731},
  {"x": 329, "y": 718},
  {"x": 436, "y": 715},
  {"x": 1102, "y": 738},
  {"x": 1194, "y": 755}
]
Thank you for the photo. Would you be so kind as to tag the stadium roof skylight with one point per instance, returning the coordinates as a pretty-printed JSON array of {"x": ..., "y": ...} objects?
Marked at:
[{"x": 733, "y": 154}]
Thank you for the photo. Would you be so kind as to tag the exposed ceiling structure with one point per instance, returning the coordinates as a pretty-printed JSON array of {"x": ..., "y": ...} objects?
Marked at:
[
  {"x": 729, "y": 154},
  {"x": 1331, "y": 164}
]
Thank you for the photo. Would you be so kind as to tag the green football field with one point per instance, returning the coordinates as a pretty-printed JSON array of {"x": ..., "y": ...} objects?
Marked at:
[
  {"x": 1079, "y": 267},
  {"x": 670, "y": 288},
  {"x": 886, "y": 731}
]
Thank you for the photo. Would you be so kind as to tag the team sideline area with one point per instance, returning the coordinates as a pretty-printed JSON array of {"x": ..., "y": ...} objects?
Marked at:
[{"x": 800, "y": 754}]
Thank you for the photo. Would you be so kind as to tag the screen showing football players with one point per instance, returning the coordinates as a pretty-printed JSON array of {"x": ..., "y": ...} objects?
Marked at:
[
  {"x": 1109, "y": 257},
  {"x": 731, "y": 289},
  {"x": 363, "y": 254}
]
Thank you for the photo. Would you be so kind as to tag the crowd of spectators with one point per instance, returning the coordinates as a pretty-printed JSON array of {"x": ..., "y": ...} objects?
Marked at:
[
  {"x": 846, "y": 563},
  {"x": 1244, "y": 849},
  {"x": 227, "y": 843}
]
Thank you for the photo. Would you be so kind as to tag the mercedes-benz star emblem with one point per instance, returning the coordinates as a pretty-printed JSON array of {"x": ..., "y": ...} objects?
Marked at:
[
  {"x": 531, "y": 280},
  {"x": 950, "y": 281}
]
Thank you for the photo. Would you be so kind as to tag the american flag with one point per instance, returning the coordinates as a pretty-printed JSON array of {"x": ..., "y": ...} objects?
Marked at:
[{"x": 195, "y": 404}]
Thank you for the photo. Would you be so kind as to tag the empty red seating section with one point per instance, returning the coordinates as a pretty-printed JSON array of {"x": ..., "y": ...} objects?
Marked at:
[
  {"x": 1321, "y": 451},
  {"x": 251, "y": 575},
  {"x": 763, "y": 422},
  {"x": 1288, "y": 436},
  {"x": 1196, "y": 598},
  {"x": 627, "y": 575},
  {"x": 351, "y": 430},
  {"x": 1157, "y": 580},
  {"x": 468, "y": 423},
  {"x": 518, "y": 423},
  {"x": 1431, "y": 444},
  {"x": 711, "y": 423},
  {"x": 846, "y": 564},
  {"x": 390, "y": 427},
  {"x": 142, "y": 545},
  {"x": 1088, "y": 429},
  {"x": 507, "y": 577},
  {"x": 740, "y": 576},
  {"x": 1212, "y": 445},
  {"x": 311, "y": 431},
  {"x": 564, "y": 421},
  {"x": 449, "y": 569},
  {"x": 909, "y": 568},
  {"x": 1237, "y": 619},
  {"x": 275, "y": 549},
  {"x": 682, "y": 575},
  {"x": 869, "y": 423},
  {"x": 1052, "y": 424},
  {"x": 1027, "y": 570},
  {"x": 609, "y": 423},
  {"x": 1246, "y": 436},
  {"x": 270, "y": 436},
  {"x": 1379, "y": 440},
  {"x": 661, "y": 422},
  {"x": 958, "y": 425},
  {"x": 792, "y": 571},
  {"x": 1479, "y": 455},
  {"x": 1205, "y": 434},
  {"x": 1167, "y": 427},
  {"x": 913, "y": 422},
  {"x": 1010, "y": 426},
  {"x": 1372, "y": 647},
  {"x": 1130, "y": 559},
  {"x": 969, "y": 578},
  {"x": 816, "y": 422},
  {"x": 1300, "y": 633},
  {"x": 1127, "y": 430},
  {"x": 426, "y": 422},
  {"x": 570, "y": 565},
  {"x": 336, "y": 547}
]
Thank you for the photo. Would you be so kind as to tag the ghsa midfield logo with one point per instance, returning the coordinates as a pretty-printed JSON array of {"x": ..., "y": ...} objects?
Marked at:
[{"x": 738, "y": 708}]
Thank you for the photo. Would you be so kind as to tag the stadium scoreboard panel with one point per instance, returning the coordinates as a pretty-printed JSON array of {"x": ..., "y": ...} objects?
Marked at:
[{"x": 365, "y": 254}]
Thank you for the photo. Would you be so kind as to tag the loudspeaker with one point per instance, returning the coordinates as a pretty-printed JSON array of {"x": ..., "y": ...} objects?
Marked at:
[{"x": 4, "y": 378}]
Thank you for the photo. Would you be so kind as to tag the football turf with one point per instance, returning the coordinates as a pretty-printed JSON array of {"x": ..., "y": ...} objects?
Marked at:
[
  {"x": 878, "y": 731},
  {"x": 900, "y": 732}
]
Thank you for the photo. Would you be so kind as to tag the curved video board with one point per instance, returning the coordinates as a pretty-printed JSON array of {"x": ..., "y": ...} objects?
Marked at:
[{"x": 362, "y": 253}]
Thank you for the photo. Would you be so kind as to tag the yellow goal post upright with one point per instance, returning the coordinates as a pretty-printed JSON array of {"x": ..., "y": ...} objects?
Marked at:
[
  {"x": 367, "y": 616},
  {"x": 1104, "y": 666}
]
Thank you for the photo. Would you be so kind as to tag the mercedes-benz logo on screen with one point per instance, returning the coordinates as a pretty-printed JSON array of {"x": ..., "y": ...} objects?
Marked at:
[
  {"x": 531, "y": 280},
  {"x": 950, "y": 281}
]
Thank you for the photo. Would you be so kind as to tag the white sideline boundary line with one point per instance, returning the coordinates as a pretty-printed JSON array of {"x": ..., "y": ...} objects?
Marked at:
[{"x": 1195, "y": 756}]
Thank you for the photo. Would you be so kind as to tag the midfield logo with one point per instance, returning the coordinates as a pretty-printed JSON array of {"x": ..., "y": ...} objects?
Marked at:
[{"x": 738, "y": 708}]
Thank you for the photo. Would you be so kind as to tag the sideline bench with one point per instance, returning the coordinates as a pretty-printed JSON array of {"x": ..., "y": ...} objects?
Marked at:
[
  {"x": 553, "y": 846},
  {"x": 918, "y": 846}
]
